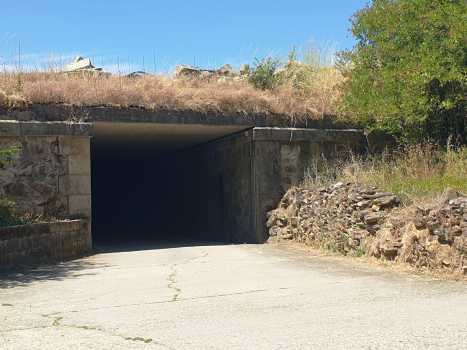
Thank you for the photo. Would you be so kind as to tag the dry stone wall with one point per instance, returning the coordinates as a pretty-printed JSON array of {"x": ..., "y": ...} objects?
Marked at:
[
  {"x": 37, "y": 241},
  {"x": 358, "y": 219}
]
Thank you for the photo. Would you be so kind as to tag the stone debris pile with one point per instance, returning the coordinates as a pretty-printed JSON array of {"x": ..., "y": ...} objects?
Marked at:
[
  {"x": 359, "y": 219},
  {"x": 84, "y": 66},
  {"x": 223, "y": 74},
  {"x": 226, "y": 71}
]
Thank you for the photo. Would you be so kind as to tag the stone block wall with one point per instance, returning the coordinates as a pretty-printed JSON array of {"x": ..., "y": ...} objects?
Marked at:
[
  {"x": 51, "y": 175},
  {"x": 281, "y": 157},
  {"x": 37, "y": 241}
]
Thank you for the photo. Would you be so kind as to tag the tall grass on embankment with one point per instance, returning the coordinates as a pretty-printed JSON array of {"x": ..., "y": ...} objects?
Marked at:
[
  {"x": 415, "y": 172},
  {"x": 308, "y": 88}
]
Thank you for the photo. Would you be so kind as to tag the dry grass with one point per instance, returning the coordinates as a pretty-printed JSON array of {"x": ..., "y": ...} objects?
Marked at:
[
  {"x": 417, "y": 173},
  {"x": 366, "y": 261},
  {"x": 161, "y": 92}
]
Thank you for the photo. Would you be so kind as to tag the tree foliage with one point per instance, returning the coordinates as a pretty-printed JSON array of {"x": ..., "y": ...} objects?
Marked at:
[{"x": 407, "y": 73}]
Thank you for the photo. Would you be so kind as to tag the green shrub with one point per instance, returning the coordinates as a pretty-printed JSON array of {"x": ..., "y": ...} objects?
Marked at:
[
  {"x": 8, "y": 215},
  {"x": 261, "y": 74},
  {"x": 407, "y": 74},
  {"x": 6, "y": 155}
]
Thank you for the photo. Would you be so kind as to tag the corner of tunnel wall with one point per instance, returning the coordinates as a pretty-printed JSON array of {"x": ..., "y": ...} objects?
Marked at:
[{"x": 75, "y": 185}]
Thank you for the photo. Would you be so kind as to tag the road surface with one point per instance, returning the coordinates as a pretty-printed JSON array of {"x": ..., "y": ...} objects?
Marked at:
[{"x": 199, "y": 295}]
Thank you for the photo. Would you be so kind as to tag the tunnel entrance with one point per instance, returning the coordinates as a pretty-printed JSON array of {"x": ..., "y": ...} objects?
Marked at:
[{"x": 147, "y": 186}]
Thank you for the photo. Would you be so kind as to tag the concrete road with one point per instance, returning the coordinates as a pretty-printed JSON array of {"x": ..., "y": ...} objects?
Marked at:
[{"x": 207, "y": 296}]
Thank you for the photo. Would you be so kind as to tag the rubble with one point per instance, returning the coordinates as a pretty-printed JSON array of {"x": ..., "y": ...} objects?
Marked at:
[
  {"x": 226, "y": 71},
  {"x": 83, "y": 66},
  {"x": 353, "y": 218}
]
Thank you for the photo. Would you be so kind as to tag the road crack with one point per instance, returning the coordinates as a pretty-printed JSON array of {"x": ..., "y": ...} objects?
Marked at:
[
  {"x": 173, "y": 276},
  {"x": 57, "y": 322}
]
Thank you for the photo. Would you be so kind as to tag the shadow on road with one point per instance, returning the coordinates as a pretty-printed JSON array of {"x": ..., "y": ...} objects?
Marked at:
[
  {"x": 51, "y": 270},
  {"x": 119, "y": 244},
  {"x": 75, "y": 267}
]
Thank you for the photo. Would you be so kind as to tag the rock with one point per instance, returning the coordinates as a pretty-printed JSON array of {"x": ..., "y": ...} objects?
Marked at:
[
  {"x": 244, "y": 69},
  {"x": 274, "y": 230},
  {"x": 449, "y": 194},
  {"x": 432, "y": 225},
  {"x": 458, "y": 201},
  {"x": 423, "y": 211},
  {"x": 227, "y": 71},
  {"x": 372, "y": 218},
  {"x": 271, "y": 221},
  {"x": 385, "y": 200},
  {"x": 83, "y": 66},
  {"x": 456, "y": 230},
  {"x": 79, "y": 64},
  {"x": 187, "y": 71},
  {"x": 389, "y": 250},
  {"x": 205, "y": 74},
  {"x": 225, "y": 68}
]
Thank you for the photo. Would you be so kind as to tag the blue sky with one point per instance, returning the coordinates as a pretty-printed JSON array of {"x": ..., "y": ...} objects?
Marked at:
[{"x": 208, "y": 33}]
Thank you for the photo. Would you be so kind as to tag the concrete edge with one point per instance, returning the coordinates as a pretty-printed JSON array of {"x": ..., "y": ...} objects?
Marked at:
[
  {"x": 45, "y": 128},
  {"x": 299, "y": 134},
  {"x": 50, "y": 112}
]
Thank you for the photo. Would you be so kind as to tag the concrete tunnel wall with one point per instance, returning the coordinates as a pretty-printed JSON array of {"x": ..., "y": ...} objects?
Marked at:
[
  {"x": 203, "y": 192},
  {"x": 220, "y": 190}
]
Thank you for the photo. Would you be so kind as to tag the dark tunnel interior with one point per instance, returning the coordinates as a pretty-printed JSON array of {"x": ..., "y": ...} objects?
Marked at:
[
  {"x": 138, "y": 201},
  {"x": 149, "y": 183}
]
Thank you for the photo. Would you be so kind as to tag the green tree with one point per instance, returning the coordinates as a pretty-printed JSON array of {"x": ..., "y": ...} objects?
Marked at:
[{"x": 407, "y": 73}]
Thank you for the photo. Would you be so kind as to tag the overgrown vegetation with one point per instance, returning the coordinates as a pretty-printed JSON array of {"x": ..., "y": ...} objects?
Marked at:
[
  {"x": 414, "y": 172},
  {"x": 9, "y": 216},
  {"x": 6, "y": 155},
  {"x": 407, "y": 74},
  {"x": 262, "y": 74}
]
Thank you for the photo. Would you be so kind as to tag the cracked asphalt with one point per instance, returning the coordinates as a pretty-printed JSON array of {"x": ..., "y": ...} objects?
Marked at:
[{"x": 196, "y": 295}]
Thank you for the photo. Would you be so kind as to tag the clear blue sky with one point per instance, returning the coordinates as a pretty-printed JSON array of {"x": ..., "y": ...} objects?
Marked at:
[{"x": 168, "y": 32}]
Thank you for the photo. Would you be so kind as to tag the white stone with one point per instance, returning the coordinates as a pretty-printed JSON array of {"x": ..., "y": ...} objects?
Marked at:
[{"x": 79, "y": 63}]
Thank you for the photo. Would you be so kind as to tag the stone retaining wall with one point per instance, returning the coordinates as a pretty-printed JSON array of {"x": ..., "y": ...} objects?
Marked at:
[
  {"x": 358, "y": 219},
  {"x": 37, "y": 241}
]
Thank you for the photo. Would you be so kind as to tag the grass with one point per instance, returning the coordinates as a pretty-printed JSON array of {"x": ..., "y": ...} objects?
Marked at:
[
  {"x": 161, "y": 92},
  {"x": 414, "y": 172},
  {"x": 140, "y": 339},
  {"x": 57, "y": 321},
  {"x": 308, "y": 89},
  {"x": 359, "y": 253}
]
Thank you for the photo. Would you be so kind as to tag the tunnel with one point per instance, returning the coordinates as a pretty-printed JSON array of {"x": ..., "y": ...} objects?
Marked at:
[{"x": 150, "y": 184}]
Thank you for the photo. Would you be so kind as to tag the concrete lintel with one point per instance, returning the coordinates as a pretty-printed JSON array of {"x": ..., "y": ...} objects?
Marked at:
[
  {"x": 45, "y": 112},
  {"x": 44, "y": 128},
  {"x": 299, "y": 134}
]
